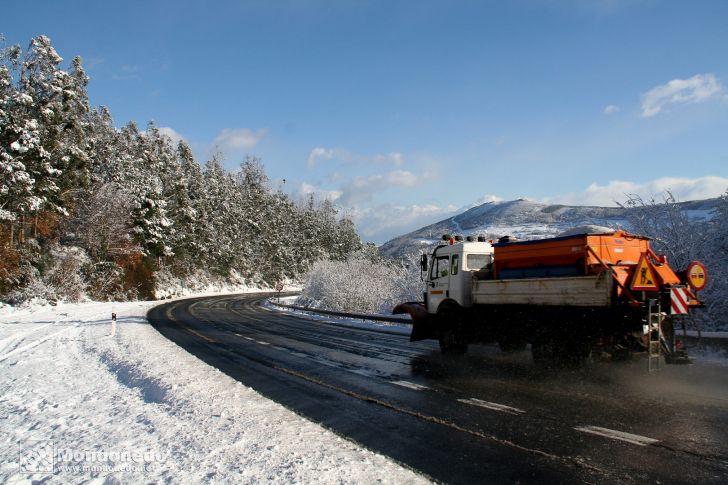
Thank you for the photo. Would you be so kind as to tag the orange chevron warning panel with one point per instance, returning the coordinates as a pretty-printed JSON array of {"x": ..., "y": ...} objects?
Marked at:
[{"x": 644, "y": 278}]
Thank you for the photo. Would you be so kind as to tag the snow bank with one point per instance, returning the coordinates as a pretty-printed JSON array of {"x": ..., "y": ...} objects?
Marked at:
[
  {"x": 284, "y": 304},
  {"x": 203, "y": 283},
  {"x": 81, "y": 406}
]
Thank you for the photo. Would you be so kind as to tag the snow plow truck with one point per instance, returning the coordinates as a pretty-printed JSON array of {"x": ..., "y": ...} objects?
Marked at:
[{"x": 568, "y": 297}]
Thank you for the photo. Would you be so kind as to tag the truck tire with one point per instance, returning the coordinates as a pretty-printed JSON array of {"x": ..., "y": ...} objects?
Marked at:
[
  {"x": 450, "y": 333},
  {"x": 451, "y": 343}
]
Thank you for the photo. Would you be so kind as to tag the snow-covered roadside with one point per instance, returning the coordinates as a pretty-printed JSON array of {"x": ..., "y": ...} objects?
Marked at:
[
  {"x": 80, "y": 406},
  {"x": 278, "y": 305}
]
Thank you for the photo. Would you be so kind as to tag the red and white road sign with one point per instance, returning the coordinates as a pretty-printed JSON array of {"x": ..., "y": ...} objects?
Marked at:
[
  {"x": 697, "y": 275},
  {"x": 679, "y": 300}
]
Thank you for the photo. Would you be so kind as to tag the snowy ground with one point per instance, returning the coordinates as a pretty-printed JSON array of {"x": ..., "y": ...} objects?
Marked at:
[{"x": 81, "y": 406}]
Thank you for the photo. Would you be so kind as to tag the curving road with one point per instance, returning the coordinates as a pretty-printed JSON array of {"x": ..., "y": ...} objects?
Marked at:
[{"x": 486, "y": 417}]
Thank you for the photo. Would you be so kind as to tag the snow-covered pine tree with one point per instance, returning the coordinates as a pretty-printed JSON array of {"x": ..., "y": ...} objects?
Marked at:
[
  {"x": 347, "y": 238},
  {"x": 219, "y": 230},
  {"x": 104, "y": 147},
  {"x": 309, "y": 247},
  {"x": 186, "y": 211},
  {"x": 257, "y": 220},
  {"x": 60, "y": 111}
]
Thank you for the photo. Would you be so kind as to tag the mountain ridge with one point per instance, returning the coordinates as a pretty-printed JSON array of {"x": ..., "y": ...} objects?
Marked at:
[{"x": 525, "y": 219}]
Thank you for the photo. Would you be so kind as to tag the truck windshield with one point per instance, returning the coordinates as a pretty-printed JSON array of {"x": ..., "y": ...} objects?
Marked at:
[{"x": 477, "y": 261}]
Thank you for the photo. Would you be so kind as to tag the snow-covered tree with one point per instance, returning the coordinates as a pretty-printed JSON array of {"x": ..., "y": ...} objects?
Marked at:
[
  {"x": 668, "y": 225},
  {"x": 186, "y": 211},
  {"x": 715, "y": 256},
  {"x": 102, "y": 223}
]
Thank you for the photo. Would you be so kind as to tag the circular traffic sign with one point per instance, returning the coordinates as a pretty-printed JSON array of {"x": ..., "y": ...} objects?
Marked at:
[{"x": 697, "y": 275}]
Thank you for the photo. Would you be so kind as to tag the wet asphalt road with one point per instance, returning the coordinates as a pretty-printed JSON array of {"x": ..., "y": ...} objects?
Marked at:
[{"x": 487, "y": 417}]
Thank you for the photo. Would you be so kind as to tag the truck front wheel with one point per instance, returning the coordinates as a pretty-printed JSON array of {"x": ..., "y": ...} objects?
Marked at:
[
  {"x": 450, "y": 331},
  {"x": 451, "y": 342}
]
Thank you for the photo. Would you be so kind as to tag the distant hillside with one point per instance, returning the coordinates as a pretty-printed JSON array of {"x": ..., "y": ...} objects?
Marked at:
[{"x": 524, "y": 219}]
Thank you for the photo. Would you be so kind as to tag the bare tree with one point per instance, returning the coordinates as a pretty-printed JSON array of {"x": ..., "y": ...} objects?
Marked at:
[
  {"x": 103, "y": 221},
  {"x": 668, "y": 225}
]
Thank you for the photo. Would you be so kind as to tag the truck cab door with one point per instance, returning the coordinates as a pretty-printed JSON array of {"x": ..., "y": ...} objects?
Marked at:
[{"x": 439, "y": 282}]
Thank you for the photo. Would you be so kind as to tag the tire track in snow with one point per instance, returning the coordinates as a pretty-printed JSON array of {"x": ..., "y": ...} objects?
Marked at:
[{"x": 31, "y": 345}]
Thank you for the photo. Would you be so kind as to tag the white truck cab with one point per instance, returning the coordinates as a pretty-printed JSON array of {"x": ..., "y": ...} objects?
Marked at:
[{"x": 451, "y": 269}]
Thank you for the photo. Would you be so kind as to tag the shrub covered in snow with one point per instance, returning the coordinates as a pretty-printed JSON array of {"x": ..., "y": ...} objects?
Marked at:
[
  {"x": 364, "y": 282},
  {"x": 64, "y": 277},
  {"x": 61, "y": 279},
  {"x": 169, "y": 285}
]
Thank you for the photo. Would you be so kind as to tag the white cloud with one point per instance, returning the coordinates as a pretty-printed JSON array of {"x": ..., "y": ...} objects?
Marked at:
[
  {"x": 611, "y": 109},
  {"x": 361, "y": 188},
  {"x": 320, "y": 153},
  {"x": 683, "y": 189},
  {"x": 170, "y": 132},
  {"x": 696, "y": 89},
  {"x": 345, "y": 156},
  {"x": 395, "y": 158},
  {"x": 487, "y": 198},
  {"x": 306, "y": 189},
  {"x": 382, "y": 222},
  {"x": 239, "y": 138},
  {"x": 401, "y": 178}
]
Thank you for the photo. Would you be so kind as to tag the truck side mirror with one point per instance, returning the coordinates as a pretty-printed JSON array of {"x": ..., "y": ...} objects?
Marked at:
[{"x": 423, "y": 263}]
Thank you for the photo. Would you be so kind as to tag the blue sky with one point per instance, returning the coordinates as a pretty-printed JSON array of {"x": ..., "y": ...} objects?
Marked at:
[{"x": 403, "y": 112}]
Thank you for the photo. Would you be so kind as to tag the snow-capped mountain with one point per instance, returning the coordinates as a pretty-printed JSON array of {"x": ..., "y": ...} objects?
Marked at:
[{"x": 524, "y": 219}]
